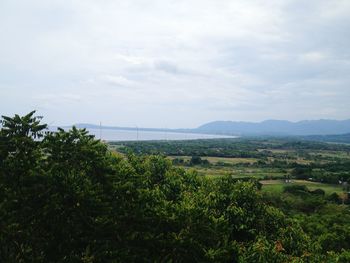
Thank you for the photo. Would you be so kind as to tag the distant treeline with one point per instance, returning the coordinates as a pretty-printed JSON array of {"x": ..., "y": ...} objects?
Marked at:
[
  {"x": 245, "y": 148},
  {"x": 341, "y": 138}
]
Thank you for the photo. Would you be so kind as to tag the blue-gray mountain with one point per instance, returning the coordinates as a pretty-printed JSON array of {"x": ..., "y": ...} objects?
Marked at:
[
  {"x": 277, "y": 127},
  {"x": 268, "y": 128}
]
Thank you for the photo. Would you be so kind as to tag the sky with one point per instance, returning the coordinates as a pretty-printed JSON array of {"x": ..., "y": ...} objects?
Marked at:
[{"x": 175, "y": 63}]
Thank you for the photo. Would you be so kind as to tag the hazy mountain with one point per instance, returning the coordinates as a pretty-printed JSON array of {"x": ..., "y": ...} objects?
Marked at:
[
  {"x": 268, "y": 127},
  {"x": 277, "y": 127}
]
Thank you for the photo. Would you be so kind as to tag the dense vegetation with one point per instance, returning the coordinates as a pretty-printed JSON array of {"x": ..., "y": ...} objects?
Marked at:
[
  {"x": 322, "y": 162},
  {"x": 64, "y": 197},
  {"x": 237, "y": 147},
  {"x": 339, "y": 138}
]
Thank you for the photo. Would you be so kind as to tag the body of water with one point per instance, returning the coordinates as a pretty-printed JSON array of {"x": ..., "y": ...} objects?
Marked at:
[{"x": 134, "y": 135}]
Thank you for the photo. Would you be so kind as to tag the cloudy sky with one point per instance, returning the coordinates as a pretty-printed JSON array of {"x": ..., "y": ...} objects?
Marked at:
[{"x": 175, "y": 63}]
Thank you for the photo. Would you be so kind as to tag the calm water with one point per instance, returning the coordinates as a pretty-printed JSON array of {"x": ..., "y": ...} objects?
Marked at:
[{"x": 131, "y": 135}]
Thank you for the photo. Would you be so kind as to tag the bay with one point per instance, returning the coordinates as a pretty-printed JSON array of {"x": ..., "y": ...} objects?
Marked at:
[{"x": 134, "y": 135}]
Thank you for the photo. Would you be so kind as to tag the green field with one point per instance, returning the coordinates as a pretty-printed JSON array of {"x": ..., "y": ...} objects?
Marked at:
[
  {"x": 278, "y": 185},
  {"x": 215, "y": 160}
]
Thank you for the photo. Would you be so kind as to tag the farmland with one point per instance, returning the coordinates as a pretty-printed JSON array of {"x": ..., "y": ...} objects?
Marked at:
[{"x": 271, "y": 161}]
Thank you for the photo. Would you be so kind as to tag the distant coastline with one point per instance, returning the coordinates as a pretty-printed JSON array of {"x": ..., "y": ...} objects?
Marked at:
[{"x": 134, "y": 134}]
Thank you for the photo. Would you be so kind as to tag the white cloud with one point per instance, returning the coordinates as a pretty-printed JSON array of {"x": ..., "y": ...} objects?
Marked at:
[
  {"x": 178, "y": 63},
  {"x": 313, "y": 57},
  {"x": 117, "y": 80}
]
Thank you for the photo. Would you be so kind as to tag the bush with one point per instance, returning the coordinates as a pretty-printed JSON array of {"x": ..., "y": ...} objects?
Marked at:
[
  {"x": 296, "y": 189},
  {"x": 335, "y": 198},
  {"x": 318, "y": 191},
  {"x": 195, "y": 160}
]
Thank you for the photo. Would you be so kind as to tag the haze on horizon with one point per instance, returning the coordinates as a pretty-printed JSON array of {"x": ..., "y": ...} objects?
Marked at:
[{"x": 175, "y": 64}]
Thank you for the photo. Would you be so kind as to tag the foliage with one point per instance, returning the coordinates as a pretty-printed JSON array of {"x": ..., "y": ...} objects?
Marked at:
[
  {"x": 285, "y": 157},
  {"x": 64, "y": 197}
]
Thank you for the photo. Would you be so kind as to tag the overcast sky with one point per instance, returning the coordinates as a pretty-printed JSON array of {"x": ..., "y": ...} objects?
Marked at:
[{"x": 175, "y": 63}]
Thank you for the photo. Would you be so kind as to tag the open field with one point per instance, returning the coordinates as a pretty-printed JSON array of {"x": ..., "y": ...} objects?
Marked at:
[
  {"x": 277, "y": 186},
  {"x": 215, "y": 160},
  {"x": 240, "y": 173},
  {"x": 331, "y": 154}
]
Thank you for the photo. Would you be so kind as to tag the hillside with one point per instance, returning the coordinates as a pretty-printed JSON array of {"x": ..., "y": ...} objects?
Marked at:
[{"x": 277, "y": 127}]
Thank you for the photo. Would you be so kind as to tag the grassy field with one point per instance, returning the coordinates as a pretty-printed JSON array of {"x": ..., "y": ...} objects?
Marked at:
[
  {"x": 277, "y": 186},
  {"x": 215, "y": 160},
  {"x": 237, "y": 171},
  {"x": 331, "y": 154}
]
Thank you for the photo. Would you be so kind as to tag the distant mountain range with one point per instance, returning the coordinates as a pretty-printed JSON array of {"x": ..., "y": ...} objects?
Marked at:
[
  {"x": 277, "y": 127},
  {"x": 265, "y": 128}
]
